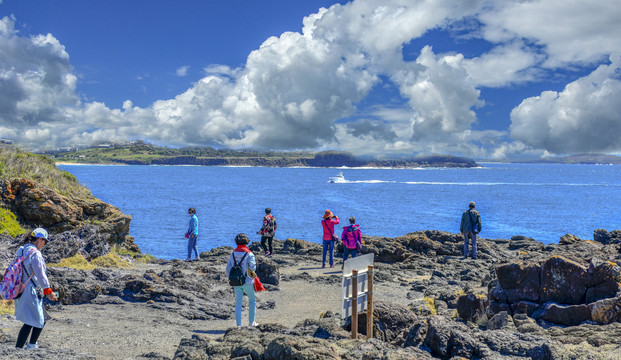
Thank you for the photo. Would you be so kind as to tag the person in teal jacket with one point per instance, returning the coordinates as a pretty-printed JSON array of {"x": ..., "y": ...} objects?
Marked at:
[
  {"x": 192, "y": 234},
  {"x": 29, "y": 306}
]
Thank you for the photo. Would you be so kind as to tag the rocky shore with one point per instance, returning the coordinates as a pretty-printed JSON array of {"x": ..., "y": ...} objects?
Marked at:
[{"x": 520, "y": 299}]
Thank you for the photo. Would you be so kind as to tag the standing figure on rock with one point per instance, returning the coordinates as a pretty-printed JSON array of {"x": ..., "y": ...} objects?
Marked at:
[
  {"x": 351, "y": 238},
  {"x": 241, "y": 273},
  {"x": 192, "y": 234},
  {"x": 470, "y": 226},
  {"x": 267, "y": 232},
  {"x": 328, "y": 222},
  {"x": 29, "y": 306}
]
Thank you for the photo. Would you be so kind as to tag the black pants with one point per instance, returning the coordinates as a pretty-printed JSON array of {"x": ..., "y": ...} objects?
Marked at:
[
  {"x": 23, "y": 335},
  {"x": 269, "y": 243}
]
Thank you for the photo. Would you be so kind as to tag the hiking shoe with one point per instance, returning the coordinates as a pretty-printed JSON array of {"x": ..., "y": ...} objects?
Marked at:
[
  {"x": 254, "y": 323},
  {"x": 32, "y": 346},
  {"x": 187, "y": 259}
]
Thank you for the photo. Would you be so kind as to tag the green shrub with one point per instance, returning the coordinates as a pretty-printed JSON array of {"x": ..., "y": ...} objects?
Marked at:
[{"x": 9, "y": 224}]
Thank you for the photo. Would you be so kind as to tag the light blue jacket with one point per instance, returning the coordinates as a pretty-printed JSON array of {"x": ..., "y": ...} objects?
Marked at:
[
  {"x": 249, "y": 262},
  {"x": 28, "y": 307},
  {"x": 193, "y": 226}
]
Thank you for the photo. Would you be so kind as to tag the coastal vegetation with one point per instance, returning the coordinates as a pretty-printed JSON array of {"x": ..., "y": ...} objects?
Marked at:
[
  {"x": 140, "y": 153},
  {"x": 17, "y": 164}
]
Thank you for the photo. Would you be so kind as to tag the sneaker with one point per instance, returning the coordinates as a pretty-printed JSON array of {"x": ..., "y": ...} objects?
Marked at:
[
  {"x": 254, "y": 323},
  {"x": 267, "y": 253},
  {"x": 32, "y": 346},
  {"x": 323, "y": 266},
  {"x": 187, "y": 259},
  {"x": 331, "y": 266},
  {"x": 196, "y": 259}
]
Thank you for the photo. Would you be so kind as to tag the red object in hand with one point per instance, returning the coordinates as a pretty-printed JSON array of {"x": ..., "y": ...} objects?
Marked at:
[{"x": 187, "y": 235}]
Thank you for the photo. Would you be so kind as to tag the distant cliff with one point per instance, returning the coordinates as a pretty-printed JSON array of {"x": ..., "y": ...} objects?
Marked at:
[{"x": 147, "y": 154}]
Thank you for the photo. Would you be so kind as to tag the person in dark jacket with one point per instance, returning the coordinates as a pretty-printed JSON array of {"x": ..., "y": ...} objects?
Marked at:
[
  {"x": 267, "y": 232},
  {"x": 470, "y": 226}
]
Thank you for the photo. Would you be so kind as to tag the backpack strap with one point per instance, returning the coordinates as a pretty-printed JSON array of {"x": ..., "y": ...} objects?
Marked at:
[
  {"x": 327, "y": 227},
  {"x": 28, "y": 254},
  {"x": 240, "y": 261}
]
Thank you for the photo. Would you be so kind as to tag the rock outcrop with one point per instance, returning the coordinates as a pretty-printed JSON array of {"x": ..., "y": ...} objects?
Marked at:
[
  {"x": 558, "y": 291},
  {"x": 38, "y": 205}
]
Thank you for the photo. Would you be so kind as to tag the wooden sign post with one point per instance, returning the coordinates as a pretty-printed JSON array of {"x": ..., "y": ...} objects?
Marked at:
[{"x": 358, "y": 292}]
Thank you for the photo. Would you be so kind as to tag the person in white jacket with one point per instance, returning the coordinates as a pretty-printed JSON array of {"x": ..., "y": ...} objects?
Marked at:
[
  {"x": 246, "y": 257},
  {"x": 29, "y": 306}
]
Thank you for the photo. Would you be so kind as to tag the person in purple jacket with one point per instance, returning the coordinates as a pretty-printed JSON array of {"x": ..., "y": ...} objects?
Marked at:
[{"x": 351, "y": 238}]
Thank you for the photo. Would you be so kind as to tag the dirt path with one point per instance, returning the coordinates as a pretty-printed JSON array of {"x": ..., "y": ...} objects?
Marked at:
[{"x": 111, "y": 328}]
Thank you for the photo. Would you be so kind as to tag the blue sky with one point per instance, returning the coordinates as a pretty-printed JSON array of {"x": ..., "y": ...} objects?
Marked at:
[{"x": 485, "y": 79}]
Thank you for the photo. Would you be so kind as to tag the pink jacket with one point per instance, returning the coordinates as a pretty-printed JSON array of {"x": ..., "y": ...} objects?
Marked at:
[
  {"x": 351, "y": 235},
  {"x": 329, "y": 224}
]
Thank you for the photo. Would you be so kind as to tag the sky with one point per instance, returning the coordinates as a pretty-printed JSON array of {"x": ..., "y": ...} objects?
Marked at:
[{"x": 487, "y": 79}]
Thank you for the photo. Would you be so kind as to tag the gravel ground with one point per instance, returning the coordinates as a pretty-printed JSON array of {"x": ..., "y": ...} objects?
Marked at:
[{"x": 110, "y": 328}]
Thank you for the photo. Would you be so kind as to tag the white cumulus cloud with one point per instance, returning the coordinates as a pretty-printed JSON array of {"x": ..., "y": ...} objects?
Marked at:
[{"x": 584, "y": 117}]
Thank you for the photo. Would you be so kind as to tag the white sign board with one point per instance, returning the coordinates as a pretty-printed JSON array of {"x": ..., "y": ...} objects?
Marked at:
[{"x": 360, "y": 263}]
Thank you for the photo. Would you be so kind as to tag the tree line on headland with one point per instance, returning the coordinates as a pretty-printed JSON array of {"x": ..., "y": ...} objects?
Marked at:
[{"x": 147, "y": 154}]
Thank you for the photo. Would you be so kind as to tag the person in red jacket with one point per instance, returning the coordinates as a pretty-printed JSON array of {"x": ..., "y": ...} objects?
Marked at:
[
  {"x": 328, "y": 222},
  {"x": 351, "y": 238}
]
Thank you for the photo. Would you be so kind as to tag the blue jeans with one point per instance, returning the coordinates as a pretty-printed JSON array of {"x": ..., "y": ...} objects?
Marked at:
[
  {"x": 346, "y": 252},
  {"x": 473, "y": 237},
  {"x": 328, "y": 245},
  {"x": 192, "y": 240},
  {"x": 239, "y": 300}
]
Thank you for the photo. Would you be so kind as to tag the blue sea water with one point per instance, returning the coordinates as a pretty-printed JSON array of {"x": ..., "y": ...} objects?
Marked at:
[{"x": 542, "y": 201}]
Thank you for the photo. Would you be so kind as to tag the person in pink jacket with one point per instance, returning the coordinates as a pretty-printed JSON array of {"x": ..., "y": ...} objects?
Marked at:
[{"x": 328, "y": 222}]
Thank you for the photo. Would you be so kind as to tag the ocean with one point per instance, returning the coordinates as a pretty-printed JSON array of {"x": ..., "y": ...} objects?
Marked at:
[{"x": 542, "y": 201}]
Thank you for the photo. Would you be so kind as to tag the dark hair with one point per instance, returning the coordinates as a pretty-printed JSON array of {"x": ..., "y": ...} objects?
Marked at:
[
  {"x": 268, "y": 210},
  {"x": 192, "y": 210},
  {"x": 29, "y": 239},
  {"x": 352, "y": 220},
  {"x": 242, "y": 239}
]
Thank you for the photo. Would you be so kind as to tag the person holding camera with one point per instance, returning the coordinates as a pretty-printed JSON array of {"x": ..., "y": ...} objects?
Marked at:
[{"x": 328, "y": 222}]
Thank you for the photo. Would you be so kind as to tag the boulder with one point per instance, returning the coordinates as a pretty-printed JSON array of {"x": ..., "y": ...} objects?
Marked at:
[
  {"x": 471, "y": 307},
  {"x": 268, "y": 271},
  {"x": 563, "y": 281},
  {"x": 568, "y": 315}
]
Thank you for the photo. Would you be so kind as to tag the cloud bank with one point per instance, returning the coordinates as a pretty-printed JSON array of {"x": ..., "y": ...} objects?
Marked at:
[{"x": 305, "y": 90}]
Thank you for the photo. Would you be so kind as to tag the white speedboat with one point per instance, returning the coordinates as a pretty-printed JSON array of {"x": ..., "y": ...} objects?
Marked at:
[{"x": 338, "y": 178}]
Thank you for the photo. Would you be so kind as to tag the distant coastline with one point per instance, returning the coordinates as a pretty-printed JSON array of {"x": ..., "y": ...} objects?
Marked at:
[{"x": 147, "y": 154}]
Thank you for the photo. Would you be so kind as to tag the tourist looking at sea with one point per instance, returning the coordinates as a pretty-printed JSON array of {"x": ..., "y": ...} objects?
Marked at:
[
  {"x": 267, "y": 232},
  {"x": 192, "y": 234},
  {"x": 470, "y": 226},
  {"x": 328, "y": 222}
]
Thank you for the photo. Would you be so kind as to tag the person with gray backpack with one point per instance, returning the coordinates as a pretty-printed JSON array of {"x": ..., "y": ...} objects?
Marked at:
[
  {"x": 241, "y": 273},
  {"x": 470, "y": 226}
]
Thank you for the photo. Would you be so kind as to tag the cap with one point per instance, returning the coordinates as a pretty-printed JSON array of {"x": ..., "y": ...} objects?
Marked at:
[{"x": 39, "y": 233}]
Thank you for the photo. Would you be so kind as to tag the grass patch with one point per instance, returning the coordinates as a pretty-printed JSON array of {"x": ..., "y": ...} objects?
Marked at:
[
  {"x": 17, "y": 164},
  {"x": 9, "y": 224},
  {"x": 110, "y": 260},
  {"x": 75, "y": 262},
  {"x": 7, "y": 307}
]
